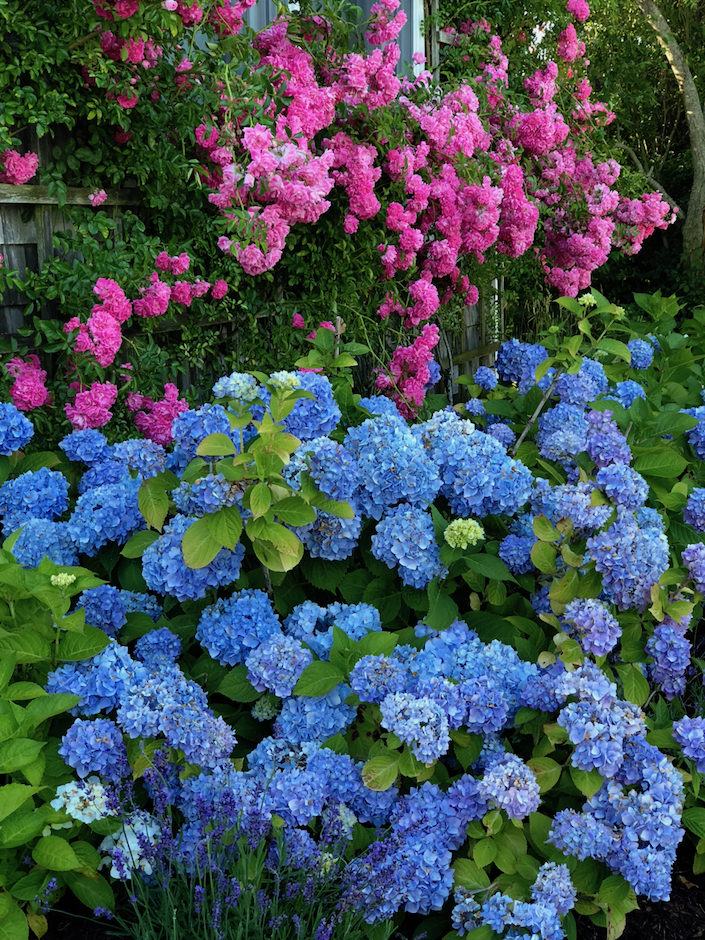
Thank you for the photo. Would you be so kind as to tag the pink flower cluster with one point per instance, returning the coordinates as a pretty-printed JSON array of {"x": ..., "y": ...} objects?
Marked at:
[
  {"x": 91, "y": 406},
  {"x": 154, "y": 418},
  {"x": 101, "y": 335},
  {"x": 385, "y": 23},
  {"x": 17, "y": 168},
  {"x": 408, "y": 372},
  {"x": 28, "y": 391}
]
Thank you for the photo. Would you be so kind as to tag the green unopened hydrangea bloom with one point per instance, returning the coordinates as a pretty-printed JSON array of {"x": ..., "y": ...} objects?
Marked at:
[
  {"x": 286, "y": 380},
  {"x": 266, "y": 708},
  {"x": 463, "y": 532},
  {"x": 63, "y": 579}
]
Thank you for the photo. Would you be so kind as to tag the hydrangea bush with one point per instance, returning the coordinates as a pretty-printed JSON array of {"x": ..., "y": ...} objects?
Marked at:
[{"x": 450, "y": 660}]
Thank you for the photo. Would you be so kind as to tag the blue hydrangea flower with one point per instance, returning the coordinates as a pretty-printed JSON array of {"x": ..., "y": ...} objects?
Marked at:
[
  {"x": 553, "y": 886},
  {"x": 475, "y": 407},
  {"x": 315, "y": 719},
  {"x": 420, "y": 722},
  {"x": 16, "y": 431},
  {"x": 510, "y": 785},
  {"x": 332, "y": 538},
  {"x": 379, "y": 405},
  {"x": 207, "y": 494},
  {"x": 101, "y": 681},
  {"x": 478, "y": 477},
  {"x": 562, "y": 432},
  {"x": 147, "y": 458},
  {"x": 690, "y": 734},
  {"x": 42, "y": 494},
  {"x": 627, "y": 392},
  {"x": 101, "y": 474},
  {"x": 158, "y": 647},
  {"x": 88, "y": 446},
  {"x": 276, "y": 665},
  {"x": 694, "y": 559},
  {"x": 105, "y": 514},
  {"x": 331, "y": 466},
  {"x": 515, "y": 552},
  {"x": 165, "y": 571},
  {"x": 95, "y": 747},
  {"x": 623, "y": 485},
  {"x": 605, "y": 442},
  {"x": 517, "y": 362},
  {"x": 642, "y": 353},
  {"x": 598, "y": 631},
  {"x": 230, "y": 628},
  {"x": 503, "y": 433},
  {"x": 103, "y": 608},
  {"x": 693, "y": 511},
  {"x": 630, "y": 559},
  {"x": 486, "y": 378},
  {"x": 375, "y": 677},
  {"x": 190, "y": 427},
  {"x": 670, "y": 650},
  {"x": 405, "y": 539},
  {"x": 392, "y": 464},
  {"x": 583, "y": 386},
  {"x": 313, "y": 417},
  {"x": 39, "y": 537}
]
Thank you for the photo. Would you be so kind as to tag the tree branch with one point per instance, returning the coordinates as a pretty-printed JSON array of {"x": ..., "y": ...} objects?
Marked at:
[{"x": 649, "y": 178}]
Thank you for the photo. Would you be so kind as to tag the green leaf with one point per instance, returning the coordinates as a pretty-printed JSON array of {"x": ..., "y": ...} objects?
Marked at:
[
  {"x": 546, "y": 771},
  {"x": 380, "y": 772},
  {"x": 7, "y": 668},
  {"x": 12, "y": 796},
  {"x": 468, "y": 875},
  {"x": 20, "y": 828},
  {"x": 225, "y": 526},
  {"x": 694, "y": 820},
  {"x": 75, "y": 646},
  {"x": 279, "y": 557},
  {"x": 543, "y": 557},
  {"x": 490, "y": 566},
  {"x": 442, "y": 609},
  {"x": 318, "y": 678},
  {"x": 613, "y": 891},
  {"x": 153, "y": 502},
  {"x": 237, "y": 687},
  {"x": 198, "y": 545},
  {"x": 48, "y": 706},
  {"x": 377, "y": 643},
  {"x": 17, "y": 753},
  {"x": 14, "y": 925},
  {"x": 545, "y": 530},
  {"x": 484, "y": 852},
  {"x": 55, "y": 853},
  {"x": 615, "y": 348},
  {"x": 293, "y": 510},
  {"x": 260, "y": 499},
  {"x": 216, "y": 445},
  {"x": 93, "y": 892},
  {"x": 660, "y": 462},
  {"x": 565, "y": 589},
  {"x": 588, "y": 782},
  {"x": 136, "y": 544},
  {"x": 636, "y": 686}
]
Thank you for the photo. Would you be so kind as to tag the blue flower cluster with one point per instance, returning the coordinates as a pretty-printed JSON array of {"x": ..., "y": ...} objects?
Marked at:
[
  {"x": 165, "y": 571},
  {"x": 95, "y": 747},
  {"x": 670, "y": 650},
  {"x": 313, "y": 417},
  {"x": 42, "y": 494},
  {"x": 597, "y": 629},
  {"x": 605, "y": 442},
  {"x": 419, "y": 722},
  {"x": 16, "y": 431},
  {"x": 622, "y": 485},
  {"x": 107, "y": 607},
  {"x": 392, "y": 463},
  {"x": 207, "y": 494},
  {"x": 690, "y": 734},
  {"x": 146, "y": 458},
  {"x": 485, "y": 377},
  {"x": 583, "y": 386},
  {"x": 693, "y": 511},
  {"x": 190, "y": 427},
  {"x": 404, "y": 539},
  {"x": 631, "y": 558},
  {"x": 517, "y": 362},
  {"x": 313, "y": 625},
  {"x": 642, "y": 353},
  {"x": 276, "y": 665},
  {"x": 562, "y": 432},
  {"x": 230, "y": 629},
  {"x": 477, "y": 476}
]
